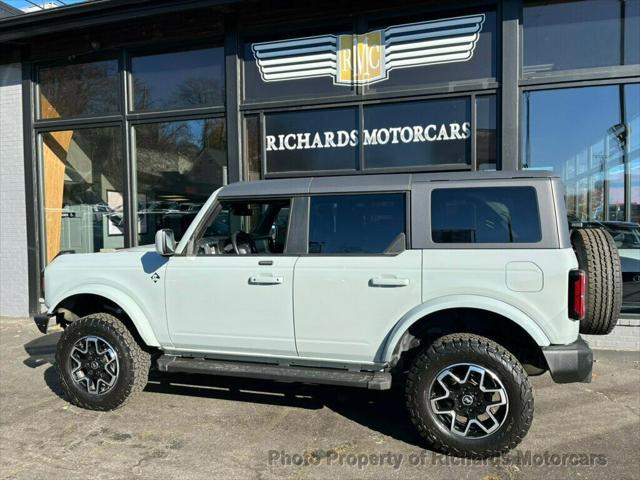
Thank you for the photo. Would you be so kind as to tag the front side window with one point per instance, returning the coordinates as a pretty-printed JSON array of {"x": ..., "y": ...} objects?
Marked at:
[
  {"x": 245, "y": 228},
  {"x": 485, "y": 215},
  {"x": 357, "y": 224}
]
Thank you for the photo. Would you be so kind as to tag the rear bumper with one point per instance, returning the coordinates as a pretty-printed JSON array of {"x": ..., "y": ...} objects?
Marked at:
[{"x": 569, "y": 363}]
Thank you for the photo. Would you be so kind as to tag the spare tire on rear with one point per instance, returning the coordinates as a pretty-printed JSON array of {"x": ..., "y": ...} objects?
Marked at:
[{"x": 598, "y": 257}]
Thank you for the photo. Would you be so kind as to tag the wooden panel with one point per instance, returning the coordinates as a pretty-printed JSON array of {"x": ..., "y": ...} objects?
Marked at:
[{"x": 54, "y": 169}]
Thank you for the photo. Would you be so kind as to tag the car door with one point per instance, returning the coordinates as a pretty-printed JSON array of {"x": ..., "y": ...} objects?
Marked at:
[
  {"x": 224, "y": 302},
  {"x": 358, "y": 278}
]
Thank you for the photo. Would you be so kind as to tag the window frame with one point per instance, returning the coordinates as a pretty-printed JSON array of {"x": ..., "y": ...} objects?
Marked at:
[
  {"x": 361, "y": 104},
  {"x": 297, "y": 214},
  {"x": 421, "y": 214}
]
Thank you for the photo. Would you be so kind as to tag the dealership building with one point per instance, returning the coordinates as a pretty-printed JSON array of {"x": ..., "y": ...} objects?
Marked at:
[{"x": 118, "y": 118}]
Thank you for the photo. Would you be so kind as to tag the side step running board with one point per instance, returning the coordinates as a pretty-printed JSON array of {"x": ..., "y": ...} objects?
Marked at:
[{"x": 324, "y": 376}]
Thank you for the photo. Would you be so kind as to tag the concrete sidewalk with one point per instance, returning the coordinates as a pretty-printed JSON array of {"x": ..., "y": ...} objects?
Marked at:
[{"x": 206, "y": 427}]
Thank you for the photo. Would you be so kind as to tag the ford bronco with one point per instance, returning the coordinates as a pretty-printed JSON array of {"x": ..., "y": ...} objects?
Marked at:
[{"x": 456, "y": 287}]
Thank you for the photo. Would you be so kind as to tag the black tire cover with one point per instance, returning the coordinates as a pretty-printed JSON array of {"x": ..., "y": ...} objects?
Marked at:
[{"x": 598, "y": 257}]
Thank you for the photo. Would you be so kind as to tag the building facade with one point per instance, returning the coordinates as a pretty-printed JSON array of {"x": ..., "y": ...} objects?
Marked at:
[{"x": 120, "y": 118}]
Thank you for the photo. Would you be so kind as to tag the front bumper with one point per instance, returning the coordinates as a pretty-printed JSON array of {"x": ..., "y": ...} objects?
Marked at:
[
  {"x": 42, "y": 321},
  {"x": 569, "y": 363}
]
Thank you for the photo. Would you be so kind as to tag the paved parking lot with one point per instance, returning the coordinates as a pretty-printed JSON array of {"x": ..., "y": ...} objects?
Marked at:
[{"x": 205, "y": 427}]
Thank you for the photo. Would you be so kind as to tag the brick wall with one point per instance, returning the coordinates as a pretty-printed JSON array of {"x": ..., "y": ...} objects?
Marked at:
[
  {"x": 626, "y": 336},
  {"x": 14, "y": 299}
]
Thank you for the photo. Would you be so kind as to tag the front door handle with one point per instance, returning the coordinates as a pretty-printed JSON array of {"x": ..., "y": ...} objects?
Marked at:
[
  {"x": 388, "y": 282},
  {"x": 265, "y": 280}
]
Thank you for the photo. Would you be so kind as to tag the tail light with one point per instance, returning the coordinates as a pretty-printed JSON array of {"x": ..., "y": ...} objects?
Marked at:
[{"x": 577, "y": 290}]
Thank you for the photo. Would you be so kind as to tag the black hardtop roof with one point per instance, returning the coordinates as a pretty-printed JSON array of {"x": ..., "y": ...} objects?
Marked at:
[{"x": 364, "y": 183}]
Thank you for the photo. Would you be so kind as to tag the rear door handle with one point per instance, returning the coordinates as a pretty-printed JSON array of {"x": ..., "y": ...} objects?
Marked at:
[
  {"x": 388, "y": 282},
  {"x": 265, "y": 280}
]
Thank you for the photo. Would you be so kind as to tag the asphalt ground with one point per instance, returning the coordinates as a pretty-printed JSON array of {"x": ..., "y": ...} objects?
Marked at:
[{"x": 199, "y": 427}]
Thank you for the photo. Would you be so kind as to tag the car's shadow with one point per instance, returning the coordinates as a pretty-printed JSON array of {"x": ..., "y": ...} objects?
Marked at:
[{"x": 383, "y": 412}]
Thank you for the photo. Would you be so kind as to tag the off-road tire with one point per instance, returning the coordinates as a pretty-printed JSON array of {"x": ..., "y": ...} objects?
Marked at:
[
  {"x": 134, "y": 362},
  {"x": 598, "y": 257},
  {"x": 467, "y": 348}
]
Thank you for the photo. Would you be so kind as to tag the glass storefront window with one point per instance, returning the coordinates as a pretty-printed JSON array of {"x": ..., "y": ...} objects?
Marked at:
[
  {"x": 397, "y": 136},
  {"x": 312, "y": 140},
  {"x": 297, "y": 64},
  {"x": 83, "y": 185},
  {"x": 178, "y": 166},
  {"x": 253, "y": 148},
  {"x": 486, "y": 137},
  {"x": 580, "y": 34},
  {"x": 440, "y": 49},
  {"x": 175, "y": 80},
  {"x": 590, "y": 136},
  {"x": 417, "y": 134},
  {"x": 80, "y": 89}
]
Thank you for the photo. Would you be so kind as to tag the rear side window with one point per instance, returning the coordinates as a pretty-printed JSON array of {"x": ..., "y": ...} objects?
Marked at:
[
  {"x": 485, "y": 215},
  {"x": 357, "y": 224}
]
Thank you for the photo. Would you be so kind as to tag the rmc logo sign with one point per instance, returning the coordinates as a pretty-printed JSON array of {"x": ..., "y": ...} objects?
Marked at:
[{"x": 370, "y": 57}]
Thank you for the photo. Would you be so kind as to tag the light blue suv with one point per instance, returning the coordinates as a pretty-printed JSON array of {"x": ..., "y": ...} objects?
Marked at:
[{"x": 460, "y": 284}]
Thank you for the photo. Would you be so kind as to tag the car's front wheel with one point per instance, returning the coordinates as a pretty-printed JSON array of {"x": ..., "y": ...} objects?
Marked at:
[
  {"x": 469, "y": 397},
  {"x": 99, "y": 363}
]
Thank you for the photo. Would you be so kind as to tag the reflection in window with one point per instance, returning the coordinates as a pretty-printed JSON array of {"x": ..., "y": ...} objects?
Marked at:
[
  {"x": 178, "y": 166},
  {"x": 414, "y": 134},
  {"x": 486, "y": 145},
  {"x": 485, "y": 215},
  {"x": 433, "y": 58},
  {"x": 591, "y": 138},
  {"x": 178, "y": 80},
  {"x": 83, "y": 185},
  {"x": 580, "y": 34},
  {"x": 357, "y": 224},
  {"x": 253, "y": 148},
  {"x": 79, "y": 89}
]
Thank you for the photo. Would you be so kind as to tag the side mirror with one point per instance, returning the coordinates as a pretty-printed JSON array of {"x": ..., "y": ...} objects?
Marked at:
[{"x": 165, "y": 242}]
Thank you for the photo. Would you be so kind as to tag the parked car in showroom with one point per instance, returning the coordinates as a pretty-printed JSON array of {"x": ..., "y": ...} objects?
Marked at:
[{"x": 458, "y": 285}]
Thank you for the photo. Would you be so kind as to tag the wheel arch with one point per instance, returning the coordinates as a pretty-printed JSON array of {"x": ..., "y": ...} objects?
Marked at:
[
  {"x": 491, "y": 318},
  {"x": 100, "y": 298}
]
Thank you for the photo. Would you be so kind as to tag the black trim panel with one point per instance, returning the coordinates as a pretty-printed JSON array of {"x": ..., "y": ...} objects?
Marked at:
[{"x": 569, "y": 363}]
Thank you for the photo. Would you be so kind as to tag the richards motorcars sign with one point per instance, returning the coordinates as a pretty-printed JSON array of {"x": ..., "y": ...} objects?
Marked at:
[
  {"x": 370, "y": 57},
  {"x": 377, "y": 136},
  {"x": 383, "y": 135}
]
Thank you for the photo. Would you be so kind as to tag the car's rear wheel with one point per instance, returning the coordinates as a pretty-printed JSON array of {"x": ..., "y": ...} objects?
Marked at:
[
  {"x": 99, "y": 363},
  {"x": 469, "y": 397},
  {"x": 598, "y": 256}
]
